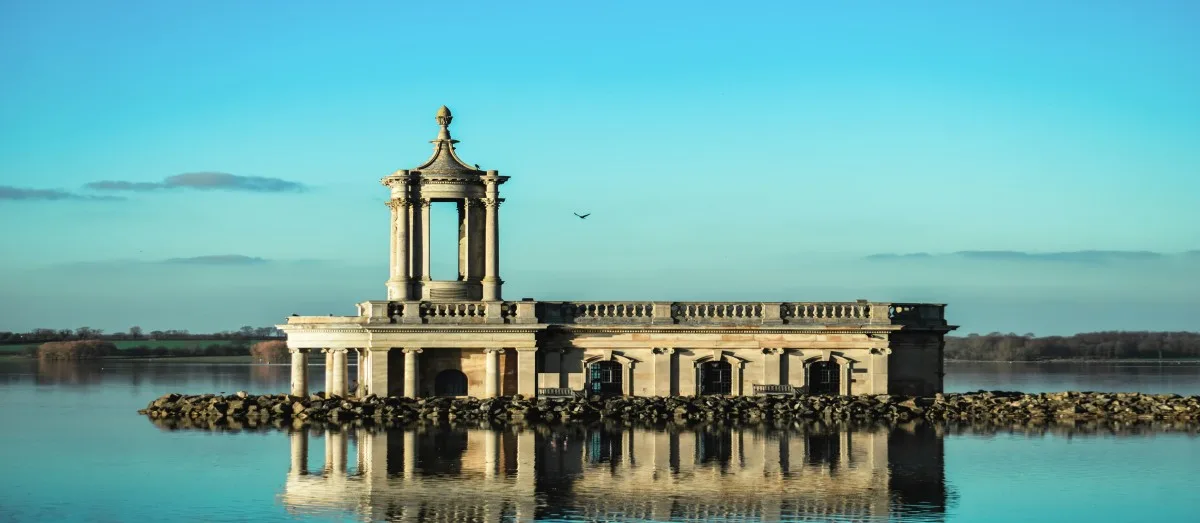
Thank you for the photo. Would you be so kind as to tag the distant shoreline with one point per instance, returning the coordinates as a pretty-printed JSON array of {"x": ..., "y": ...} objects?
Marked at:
[{"x": 1069, "y": 360}]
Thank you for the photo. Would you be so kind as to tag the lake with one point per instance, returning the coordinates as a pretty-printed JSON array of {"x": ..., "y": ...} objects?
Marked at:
[{"x": 75, "y": 450}]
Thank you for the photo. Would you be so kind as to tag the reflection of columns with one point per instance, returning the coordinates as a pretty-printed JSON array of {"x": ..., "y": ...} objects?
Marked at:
[
  {"x": 491, "y": 244},
  {"x": 491, "y": 380},
  {"x": 336, "y": 451},
  {"x": 491, "y": 453},
  {"x": 771, "y": 455},
  {"x": 771, "y": 364},
  {"x": 373, "y": 449},
  {"x": 425, "y": 240},
  {"x": 410, "y": 453},
  {"x": 662, "y": 371},
  {"x": 527, "y": 372},
  {"x": 376, "y": 377},
  {"x": 299, "y": 444},
  {"x": 299, "y": 372},
  {"x": 338, "y": 383},
  {"x": 410, "y": 372},
  {"x": 526, "y": 461}
]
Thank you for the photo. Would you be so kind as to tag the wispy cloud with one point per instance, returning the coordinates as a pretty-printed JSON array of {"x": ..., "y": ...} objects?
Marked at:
[
  {"x": 218, "y": 259},
  {"x": 204, "y": 181},
  {"x": 8, "y": 192},
  {"x": 1090, "y": 257}
]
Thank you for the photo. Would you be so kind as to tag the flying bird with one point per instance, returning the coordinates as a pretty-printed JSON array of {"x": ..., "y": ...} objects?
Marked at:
[
  {"x": 582, "y": 216},
  {"x": 477, "y": 167}
]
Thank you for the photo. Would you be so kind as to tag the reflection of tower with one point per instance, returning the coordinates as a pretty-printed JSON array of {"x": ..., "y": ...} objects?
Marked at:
[
  {"x": 444, "y": 178},
  {"x": 599, "y": 473}
]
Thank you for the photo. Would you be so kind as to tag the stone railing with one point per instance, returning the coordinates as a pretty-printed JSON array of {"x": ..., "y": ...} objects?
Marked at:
[
  {"x": 821, "y": 313},
  {"x": 645, "y": 313},
  {"x": 596, "y": 312},
  {"x": 717, "y": 312},
  {"x": 454, "y": 312}
]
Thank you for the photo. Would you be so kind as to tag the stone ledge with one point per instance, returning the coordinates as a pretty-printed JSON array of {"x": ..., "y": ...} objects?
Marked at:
[{"x": 994, "y": 408}]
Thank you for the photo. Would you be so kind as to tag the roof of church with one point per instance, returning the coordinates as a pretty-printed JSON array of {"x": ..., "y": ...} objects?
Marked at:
[{"x": 444, "y": 160}]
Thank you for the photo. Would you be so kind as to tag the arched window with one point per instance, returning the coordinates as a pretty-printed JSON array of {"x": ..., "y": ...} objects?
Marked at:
[
  {"x": 604, "y": 378},
  {"x": 450, "y": 382},
  {"x": 716, "y": 377},
  {"x": 824, "y": 377}
]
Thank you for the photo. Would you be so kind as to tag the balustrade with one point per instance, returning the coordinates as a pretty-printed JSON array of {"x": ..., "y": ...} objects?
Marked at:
[
  {"x": 600, "y": 312},
  {"x": 453, "y": 312},
  {"x": 845, "y": 312},
  {"x": 699, "y": 312},
  {"x": 688, "y": 313}
]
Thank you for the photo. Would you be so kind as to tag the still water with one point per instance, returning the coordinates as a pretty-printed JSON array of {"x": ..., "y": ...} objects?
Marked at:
[{"x": 74, "y": 449}]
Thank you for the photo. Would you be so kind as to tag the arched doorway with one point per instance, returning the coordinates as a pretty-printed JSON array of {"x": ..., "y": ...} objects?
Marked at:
[
  {"x": 450, "y": 382},
  {"x": 824, "y": 377},
  {"x": 604, "y": 378},
  {"x": 716, "y": 377}
]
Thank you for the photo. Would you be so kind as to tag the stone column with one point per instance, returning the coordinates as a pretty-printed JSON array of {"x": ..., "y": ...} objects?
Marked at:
[
  {"x": 299, "y": 444},
  {"x": 662, "y": 370},
  {"x": 361, "y": 363},
  {"x": 491, "y": 380},
  {"x": 338, "y": 385},
  {"x": 328, "y": 371},
  {"x": 425, "y": 240},
  {"x": 771, "y": 364},
  {"x": 299, "y": 372},
  {"x": 551, "y": 374},
  {"x": 491, "y": 263},
  {"x": 410, "y": 372},
  {"x": 398, "y": 283},
  {"x": 527, "y": 372},
  {"x": 376, "y": 379},
  {"x": 735, "y": 376}
]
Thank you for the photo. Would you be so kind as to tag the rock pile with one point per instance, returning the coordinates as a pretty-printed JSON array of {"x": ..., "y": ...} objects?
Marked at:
[{"x": 976, "y": 407}]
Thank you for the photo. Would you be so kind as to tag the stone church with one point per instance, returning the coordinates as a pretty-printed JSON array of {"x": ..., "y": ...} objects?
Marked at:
[{"x": 462, "y": 338}]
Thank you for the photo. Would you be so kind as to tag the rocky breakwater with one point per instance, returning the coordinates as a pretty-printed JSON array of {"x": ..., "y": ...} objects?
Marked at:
[{"x": 978, "y": 407}]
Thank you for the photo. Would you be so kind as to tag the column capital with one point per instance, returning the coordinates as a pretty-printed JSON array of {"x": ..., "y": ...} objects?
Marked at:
[
  {"x": 490, "y": 350},
  {"x": 424, "y": 203},
  {"x": 411, "y": 350},
  {"x": 398, "y": 203},
  {"x": 772, "y": 351},
  {"x": 491, "y": 202},
  {"x": 527, "y": 349},
  {"x": 663, "y": 350},
  {"x": 335, "y": 350}
]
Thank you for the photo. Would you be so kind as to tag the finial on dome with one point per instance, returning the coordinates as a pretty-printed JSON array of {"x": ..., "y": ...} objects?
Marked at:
[{"x": 443, "y": 119}]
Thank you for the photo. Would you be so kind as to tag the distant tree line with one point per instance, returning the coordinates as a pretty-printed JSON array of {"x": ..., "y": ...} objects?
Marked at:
[
  {"x": 1088, "y": 346},
  {"x": 271, "y": 351},
  {"x": 135, "y": 333}
]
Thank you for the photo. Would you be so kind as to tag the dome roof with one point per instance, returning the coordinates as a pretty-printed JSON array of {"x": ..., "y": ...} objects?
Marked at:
[{"x": 444, "y": 160}]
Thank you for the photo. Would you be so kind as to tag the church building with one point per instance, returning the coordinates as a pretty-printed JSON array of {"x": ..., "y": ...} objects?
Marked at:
[{"x": 462, "y": 338}]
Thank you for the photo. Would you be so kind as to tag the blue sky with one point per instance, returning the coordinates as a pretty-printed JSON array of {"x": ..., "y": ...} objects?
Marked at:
[{"x": 741, "y": 151}]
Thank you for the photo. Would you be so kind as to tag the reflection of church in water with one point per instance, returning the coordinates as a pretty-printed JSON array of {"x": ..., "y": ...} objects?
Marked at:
[{"x": 620, "y": 474}]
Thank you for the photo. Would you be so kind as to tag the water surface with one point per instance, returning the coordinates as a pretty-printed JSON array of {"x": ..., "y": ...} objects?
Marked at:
[{"x": 75, "y": 450}]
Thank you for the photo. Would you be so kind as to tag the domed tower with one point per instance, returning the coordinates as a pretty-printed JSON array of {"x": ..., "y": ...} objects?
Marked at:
[{"x": 445, "y": 178}]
